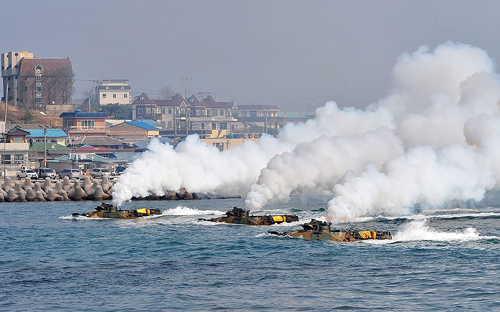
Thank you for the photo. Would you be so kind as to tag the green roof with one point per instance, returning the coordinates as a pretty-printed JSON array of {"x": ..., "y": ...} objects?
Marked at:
[{"x": 40, "y": 147}]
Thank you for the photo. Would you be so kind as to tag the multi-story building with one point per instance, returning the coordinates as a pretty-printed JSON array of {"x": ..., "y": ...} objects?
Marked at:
[
  {"x": 36, "y": 82},
  {"x": 78, "y": 124},
  {"x": 114, "y": 91},
  {"x": 258, "y": 119},
  {"x": 180, "y": 116}
]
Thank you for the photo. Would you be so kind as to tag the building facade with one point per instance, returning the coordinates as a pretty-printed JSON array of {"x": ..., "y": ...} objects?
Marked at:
[
  {"x": 180, "y": 116},
  {"x": 36, "y": 82},
  {"x": 78, "y": 124},
  {"x": 114, "y": 91},
  {"x": 15, "y": 150},
  {"x": 133, "y": 131}
]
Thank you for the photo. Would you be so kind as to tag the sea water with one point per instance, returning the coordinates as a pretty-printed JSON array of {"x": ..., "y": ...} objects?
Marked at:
[{"x": 447, "y": 259}]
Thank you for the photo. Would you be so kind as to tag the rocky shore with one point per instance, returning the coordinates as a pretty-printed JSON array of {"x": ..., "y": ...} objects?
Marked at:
[{"x": 67, "y": 189}]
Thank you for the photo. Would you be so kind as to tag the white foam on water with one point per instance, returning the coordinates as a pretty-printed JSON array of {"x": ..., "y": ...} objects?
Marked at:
[
  {"x": 82, "y": 218},
  {"x": 417, "y": 217},
  {"x": 187, "y": 211},
  {"x": 420, "y": 231}
]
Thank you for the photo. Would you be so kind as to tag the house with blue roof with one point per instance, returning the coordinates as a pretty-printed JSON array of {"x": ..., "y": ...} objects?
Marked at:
[
  {"x": 151, "y": 122},
  {"x": 133, "y": 131},
  {"x": 57, "y": 136},
  {"x": 78, "y": 123}
]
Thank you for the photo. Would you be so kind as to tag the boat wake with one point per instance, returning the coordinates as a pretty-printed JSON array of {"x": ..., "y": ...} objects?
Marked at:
[
  {"x": 419, "y": 230},
  {"x": 473, "y": 214},
  {"x": 187, "y": 211}
]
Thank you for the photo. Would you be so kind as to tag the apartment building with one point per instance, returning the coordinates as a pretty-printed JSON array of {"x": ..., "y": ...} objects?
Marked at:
[{"x": 180, "y": 116}]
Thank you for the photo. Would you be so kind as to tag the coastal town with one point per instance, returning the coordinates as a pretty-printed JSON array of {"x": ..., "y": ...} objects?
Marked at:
[{"x": 42, "y": 126}]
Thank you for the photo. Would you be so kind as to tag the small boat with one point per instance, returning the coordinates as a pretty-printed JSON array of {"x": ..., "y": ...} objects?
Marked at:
[
  {"x": 108, "y": 211},
  {"x": 319, "y": 230},
  {"x": 241, "y": 216}
]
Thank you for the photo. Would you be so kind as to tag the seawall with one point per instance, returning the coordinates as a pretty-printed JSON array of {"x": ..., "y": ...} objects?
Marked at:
[{"x": 66, "y": 189}]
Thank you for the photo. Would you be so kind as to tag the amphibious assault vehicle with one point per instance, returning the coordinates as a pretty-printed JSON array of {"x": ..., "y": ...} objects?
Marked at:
[
  {"x": 241, "y": 216},
  {"x": 318, "y": 230},
  {"x": 112, "y": 212}
]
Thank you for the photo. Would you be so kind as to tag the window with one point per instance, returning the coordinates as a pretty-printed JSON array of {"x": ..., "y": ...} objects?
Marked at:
[
  {"x": 38, "y": 100},
  {"x": 148, "y": 111},
  {"x": 6, "y": 159},
  {"x": 125, "y": 96},
  {"x": 170, "y": 124},
  {"x": 38, "y": 89},
  {"x": 87, "y": 124},
  {"x": 104, "y": 95},
  {"x": 38, "y": 78},
  {"x": 163, "y": 110},
  {"x": 215, "y": 112},
  {"x": 18, "y": 158},
  {"x": 170, "y": 110},
  {"x": 214, "y": 126},
  {"x": 139, "y": 111},
  {"x": 114, "y": 95},
  {"x": 223, "y": 126},
  {"x": 222, "y": 112}
]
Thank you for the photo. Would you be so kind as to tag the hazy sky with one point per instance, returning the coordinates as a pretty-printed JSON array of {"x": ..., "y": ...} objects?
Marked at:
[{"x": 286, "y": 52}]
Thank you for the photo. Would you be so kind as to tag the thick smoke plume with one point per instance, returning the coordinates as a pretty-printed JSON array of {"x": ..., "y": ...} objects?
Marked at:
[{"x": 435, "y": 138}]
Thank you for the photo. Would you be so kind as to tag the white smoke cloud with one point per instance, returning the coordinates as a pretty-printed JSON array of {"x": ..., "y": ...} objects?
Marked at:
[
  {"x": 435, "y": 95},
  {"x": 433, "y": 139}
]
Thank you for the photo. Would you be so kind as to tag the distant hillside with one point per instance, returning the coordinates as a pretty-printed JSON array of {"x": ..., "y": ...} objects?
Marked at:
[{"x": 15, "y": 116}]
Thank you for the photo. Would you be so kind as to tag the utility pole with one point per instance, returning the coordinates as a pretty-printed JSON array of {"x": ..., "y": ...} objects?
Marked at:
[
  {"x": 185, "y": 79},
  {"x": 92, "y": 94},
  {"x": 5, "y": 132},
  {"x": 45, "y": 145}
]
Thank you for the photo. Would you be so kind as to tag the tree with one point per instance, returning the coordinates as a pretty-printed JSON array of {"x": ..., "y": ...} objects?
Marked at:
[
  {"x": 166, "y": 93},
  {"x": 59, "y": 87},
  {"x": 117, "y": 111}
]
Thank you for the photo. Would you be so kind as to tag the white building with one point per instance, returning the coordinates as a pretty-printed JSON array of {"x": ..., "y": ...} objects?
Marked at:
[
  {"x": 114, "y": 91},
  {"x": 14, "y": 150}
]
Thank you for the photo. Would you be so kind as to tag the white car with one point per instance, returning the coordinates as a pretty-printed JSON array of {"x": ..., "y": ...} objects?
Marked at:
[
  {"x": 45, "y": 173},
  {"x": 100, "y": 172},
  {"x": 27, "y": 173},
  {"x": 71, "y": 173}
]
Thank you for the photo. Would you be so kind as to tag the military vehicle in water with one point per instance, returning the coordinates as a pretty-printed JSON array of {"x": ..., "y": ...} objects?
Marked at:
[
  {"x": 241, "y": 216},
  {"x": 109, "y": 211},
  {"x": 318, "y": 230}
]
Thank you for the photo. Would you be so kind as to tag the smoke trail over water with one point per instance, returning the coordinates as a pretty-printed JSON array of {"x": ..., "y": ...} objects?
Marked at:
[{"x": 434, "y": 138}]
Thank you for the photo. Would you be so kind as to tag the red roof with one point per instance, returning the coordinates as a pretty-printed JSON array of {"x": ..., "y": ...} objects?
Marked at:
[{"x": 49, "y": 66}]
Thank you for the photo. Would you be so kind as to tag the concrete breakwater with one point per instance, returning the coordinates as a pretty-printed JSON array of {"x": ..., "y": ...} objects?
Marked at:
[{"x": 72, "y": 190}]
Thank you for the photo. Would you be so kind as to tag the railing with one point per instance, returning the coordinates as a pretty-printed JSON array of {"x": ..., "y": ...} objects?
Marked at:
[{"x": 76, "y": 128}]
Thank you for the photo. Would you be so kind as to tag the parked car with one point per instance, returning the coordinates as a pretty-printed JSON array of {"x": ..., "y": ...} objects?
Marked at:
[
  {"x": 45, "y": 173},
  {"x": 71, "y": 173},
  {"x": 116, "y": 174},
  {"x": 100, "y": 172},
  {"x": 120, "y": 169},
  {"x": 27, "y": 173}
]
